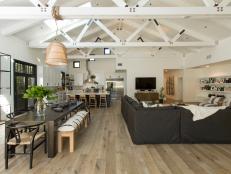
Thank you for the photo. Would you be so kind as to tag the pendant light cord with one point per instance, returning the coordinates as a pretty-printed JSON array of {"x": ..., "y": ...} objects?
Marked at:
[{"x": 56, "y": 16}]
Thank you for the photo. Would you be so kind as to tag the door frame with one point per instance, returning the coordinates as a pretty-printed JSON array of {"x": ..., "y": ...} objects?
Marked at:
[{"x": 24, "y": 74}]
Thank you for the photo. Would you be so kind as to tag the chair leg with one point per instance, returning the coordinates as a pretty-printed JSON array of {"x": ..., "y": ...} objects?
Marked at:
[
  {"x": 31, "y": 156},
  {"x": 6, "y": 156},
  {"x": 24, "y": 148},
  {"x": 60, "y": 143},
  {"x": 45, "y": 144},
  {"x": 72, "y": 142}
]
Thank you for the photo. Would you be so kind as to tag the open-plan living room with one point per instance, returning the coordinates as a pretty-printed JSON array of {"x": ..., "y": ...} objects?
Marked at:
[{"x": 115, "y": 86}]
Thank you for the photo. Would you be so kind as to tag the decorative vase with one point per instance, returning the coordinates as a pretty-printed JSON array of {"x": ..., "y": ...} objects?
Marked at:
[{"x": 40, "y": 107}]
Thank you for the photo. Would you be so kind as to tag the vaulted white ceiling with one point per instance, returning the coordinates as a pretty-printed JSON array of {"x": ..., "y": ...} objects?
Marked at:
[{"x": 196, "y": 29}]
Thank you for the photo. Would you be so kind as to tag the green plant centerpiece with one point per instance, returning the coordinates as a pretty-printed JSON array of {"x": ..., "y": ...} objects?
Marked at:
[
  {"x": 161, "y": 95},
  {"x": 39, "y": 93}
]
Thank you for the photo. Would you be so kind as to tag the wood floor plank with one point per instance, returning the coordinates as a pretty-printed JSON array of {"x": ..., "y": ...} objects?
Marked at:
[{"x": 105, "y": 147}]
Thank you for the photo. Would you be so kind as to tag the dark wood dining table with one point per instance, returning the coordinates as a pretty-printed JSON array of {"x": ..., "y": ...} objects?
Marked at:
[{"x": 51, "y": 119}]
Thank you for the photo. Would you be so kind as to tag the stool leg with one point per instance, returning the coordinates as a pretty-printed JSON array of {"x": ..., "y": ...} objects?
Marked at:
[
  {"x": 72, "y": 142},
  {"x": 60, "y": 143}
]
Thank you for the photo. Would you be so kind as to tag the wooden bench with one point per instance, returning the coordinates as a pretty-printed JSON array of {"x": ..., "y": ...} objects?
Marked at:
[{"x": 72, "y": 126}]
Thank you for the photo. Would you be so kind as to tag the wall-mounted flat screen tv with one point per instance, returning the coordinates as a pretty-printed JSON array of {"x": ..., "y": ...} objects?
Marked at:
[{"x": 145, "y": 83}]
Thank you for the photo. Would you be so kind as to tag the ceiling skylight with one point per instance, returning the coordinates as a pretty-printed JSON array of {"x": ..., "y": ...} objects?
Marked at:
[{"x": 62, "y": 23}]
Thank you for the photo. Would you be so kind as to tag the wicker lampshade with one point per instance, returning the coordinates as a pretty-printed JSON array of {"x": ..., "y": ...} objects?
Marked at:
[{"x": 56, "y": 54}]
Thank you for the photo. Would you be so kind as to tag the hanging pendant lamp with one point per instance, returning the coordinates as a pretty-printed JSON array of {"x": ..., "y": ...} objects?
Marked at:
[{"x": 56, "y": 54}]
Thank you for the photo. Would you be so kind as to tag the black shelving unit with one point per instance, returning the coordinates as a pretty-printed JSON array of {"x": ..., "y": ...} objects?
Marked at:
[{"x": 5, "y": 84}]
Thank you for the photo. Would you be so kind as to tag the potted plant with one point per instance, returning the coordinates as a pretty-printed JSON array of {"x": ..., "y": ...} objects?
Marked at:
[
  {"x": 161, "y": 95},
  {"x": 39, "y": 93}
]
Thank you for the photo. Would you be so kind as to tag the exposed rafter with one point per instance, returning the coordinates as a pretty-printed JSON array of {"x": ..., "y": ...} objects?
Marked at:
[
  {"x": 64, "y": 34},
  {"x": 84, "y": 30},
  {"x": 114, "y": 12},
  {"x": 92, "y": 57},
  {"x": 177, "y": 36},
  {"x": 51, "y": 3},
  {"x": 160, "y": 30},
  {"x": 18, "y": 26},
  {"x": 128, "y": 44},
  {"x": 104, "y": 28},
  {"x": 120, "y": 3},
  {"x": 188, "y": 31},
  {"x": 209, "y": 3},
  {"x": 37, "y": 3},
  {"x": 225, "y": 3},
  {"x": 142, "y": 3}
]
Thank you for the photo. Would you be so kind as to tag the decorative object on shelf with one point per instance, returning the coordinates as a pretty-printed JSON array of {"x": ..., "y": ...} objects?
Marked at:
[
  {"x": 161, "y": 95},
  {"x": 56, "y": 54},
  {"x": 39, "y": 93},
  {"x": 216, "y": 84}
]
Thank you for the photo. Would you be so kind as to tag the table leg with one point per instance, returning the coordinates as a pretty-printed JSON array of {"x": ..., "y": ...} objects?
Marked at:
[{"x": 51, "y": 139}]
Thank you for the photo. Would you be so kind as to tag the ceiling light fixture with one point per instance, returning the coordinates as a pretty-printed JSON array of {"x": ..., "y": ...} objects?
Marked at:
[{"x": 56, "y": 53}]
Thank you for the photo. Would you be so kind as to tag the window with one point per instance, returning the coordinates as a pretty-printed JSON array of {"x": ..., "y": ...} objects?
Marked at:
[
  {"x": 107, "y": 51},
  {"x": 76, "y": 64}
]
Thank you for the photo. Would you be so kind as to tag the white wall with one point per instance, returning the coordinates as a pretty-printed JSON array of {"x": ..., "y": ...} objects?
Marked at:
[
  {"x": 148, "y": 67},
  {"x": 192, "y": 92},
  {"x": 210, "y": 55},
  {"x": 19, "y": 50},
  {"x": 102, "y": 68}
]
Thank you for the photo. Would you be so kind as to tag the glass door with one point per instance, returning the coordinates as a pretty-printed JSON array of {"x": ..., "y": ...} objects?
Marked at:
[{"x": 25, "y": 76}]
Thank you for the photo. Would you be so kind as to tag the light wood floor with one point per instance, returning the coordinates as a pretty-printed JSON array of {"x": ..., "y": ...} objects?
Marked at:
[{"x": 105, "y": 148}]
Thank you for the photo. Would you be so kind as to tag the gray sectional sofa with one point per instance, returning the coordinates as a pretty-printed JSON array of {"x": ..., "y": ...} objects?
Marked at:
[{"x": 172, "y": 125}]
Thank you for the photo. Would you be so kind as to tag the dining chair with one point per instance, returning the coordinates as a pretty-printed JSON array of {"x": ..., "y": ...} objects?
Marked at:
[
  {"x": 31, "y": 138},
  {"x": 83, "y": 98}
]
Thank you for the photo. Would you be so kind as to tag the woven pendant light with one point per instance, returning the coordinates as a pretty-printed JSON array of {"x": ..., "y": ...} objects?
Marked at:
[{"x": 56, "y": 54}]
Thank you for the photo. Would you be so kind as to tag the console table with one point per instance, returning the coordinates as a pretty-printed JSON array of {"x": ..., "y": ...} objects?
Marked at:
[{"x": 147, "y": 96}]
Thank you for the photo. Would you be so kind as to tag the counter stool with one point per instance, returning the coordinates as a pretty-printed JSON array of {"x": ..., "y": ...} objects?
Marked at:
[
  {"x": 103, "y": 100},
  {"x": 92, "y": 100},
  {"x": 83, "y": 98}
]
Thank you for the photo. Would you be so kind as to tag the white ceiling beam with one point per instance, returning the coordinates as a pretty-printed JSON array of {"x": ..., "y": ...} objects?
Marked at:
[
  {"x": 138, "y": 30},
  {"x": 51, "y": 3},
  {"x": 160, "y": 30},
  {"x": 104, "y": 28},
  {"x": 128, "y": 44},
  {"x": 64, "y": 29},
  {"x": 224, "y": 3},
  {"x": 84, "y": 30},
  {"x": 114, "y": 12},
  {"x": 92, "y": 57},
  {"x": 64, "y": 34},
  {"x": 188, "y": 31},
  {"x": 177, "y": 36},
  {"x": 209, "y": 3},
  {"x": 146, "y": 30},
  {"x": 18, "y": 27},
  {"x": 120, "y": 3},
  {"x": 37, "y": 3},
  {"x": 142, "y": 3}
]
